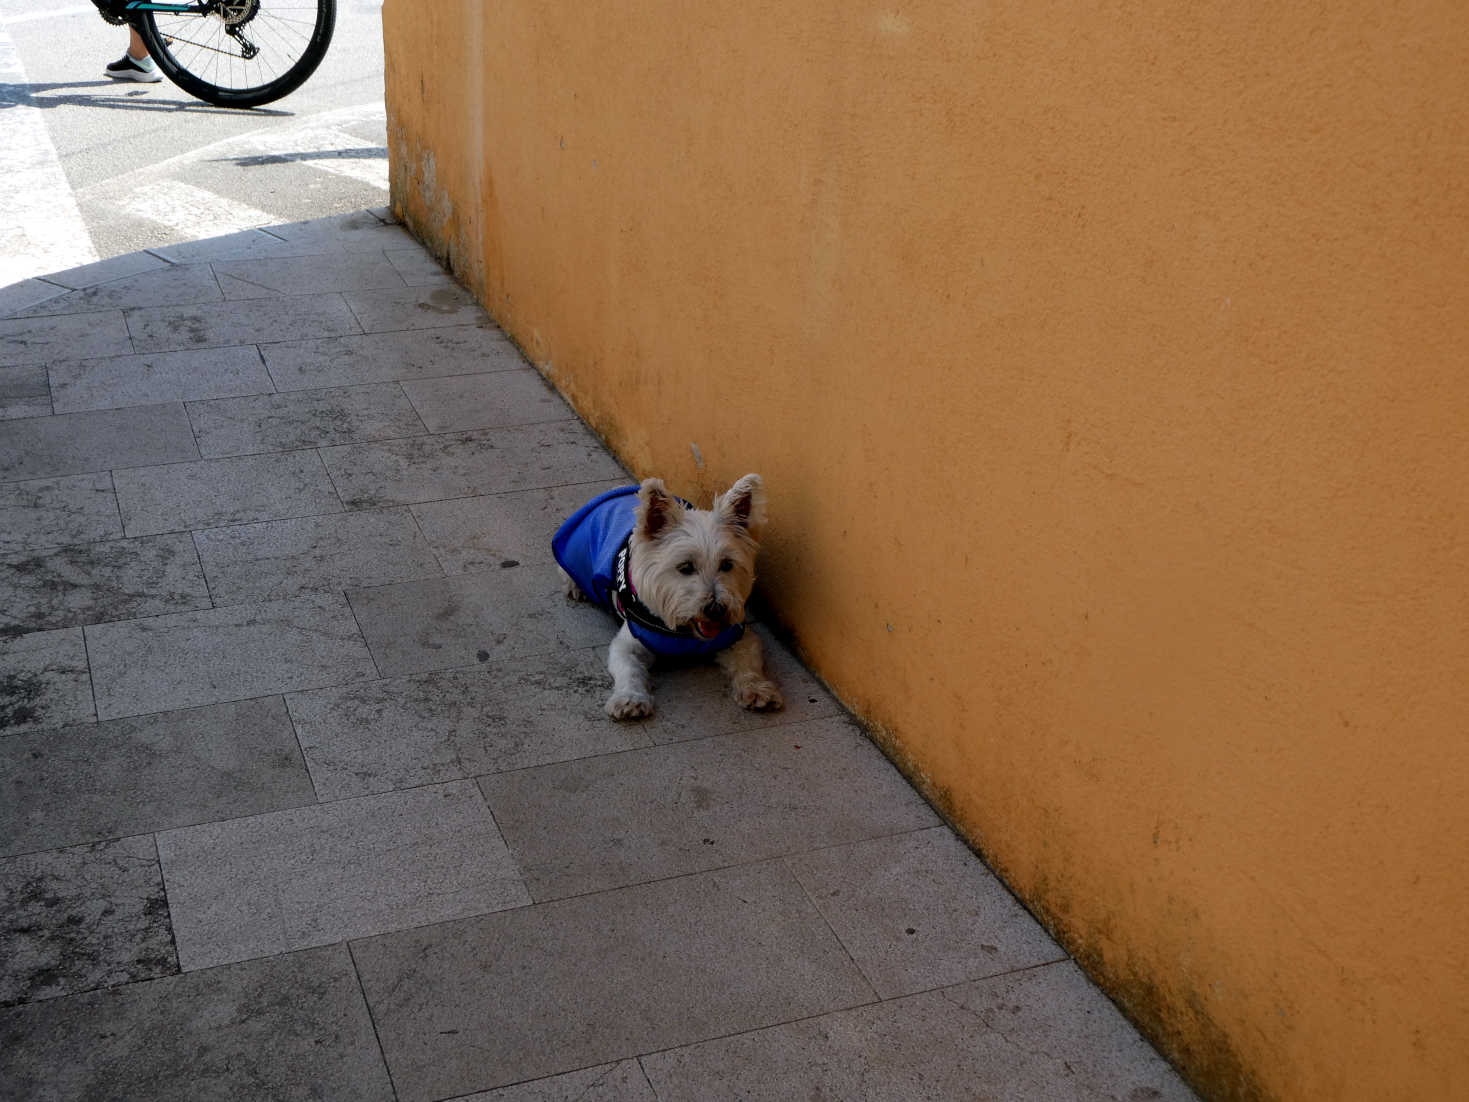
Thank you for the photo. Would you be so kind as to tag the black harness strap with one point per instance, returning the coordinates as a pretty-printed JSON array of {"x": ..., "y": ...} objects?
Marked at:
[{"x": 629, "y": 606}]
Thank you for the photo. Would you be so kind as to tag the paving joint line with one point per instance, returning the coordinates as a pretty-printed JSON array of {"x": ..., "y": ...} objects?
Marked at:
[
  {"x": 203, "y": 574},
  {"x": 244, "y": 523},
  {"x": 432, "y": 550},
  {"x": 117, "y": 503},
  {"x": 643, "y": 1070},
  {"x": 312, "y": 598},
  {"x": 366, "y": 644},
  {"x": 330, "y": 481},
  {"x": 300, "y": 750},
  {"x": 371, "y": 1019},
  {"x": 172, "y": 937},
  {"x": 128, "y": 329},
  {"x": 846, "y": 950},
  {"x": 304, "y": 448},
  {"x": 939, "y": 991},
  {"x": 418, "y": 413},
  {"x": 91, "y": 680},
  {"x": 525, "y": 368}
]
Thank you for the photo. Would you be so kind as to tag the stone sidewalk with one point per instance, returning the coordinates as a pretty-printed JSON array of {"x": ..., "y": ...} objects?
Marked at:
[{"x": 305, "y": 788}]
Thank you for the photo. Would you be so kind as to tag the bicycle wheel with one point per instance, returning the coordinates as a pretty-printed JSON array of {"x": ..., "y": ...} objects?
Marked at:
[{"x": 241, "y": 53}]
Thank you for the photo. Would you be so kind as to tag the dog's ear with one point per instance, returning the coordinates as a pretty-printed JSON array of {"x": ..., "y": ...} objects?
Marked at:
[
  {"x": 743, "y": 505},
  {"x": 658, "y": 510}
]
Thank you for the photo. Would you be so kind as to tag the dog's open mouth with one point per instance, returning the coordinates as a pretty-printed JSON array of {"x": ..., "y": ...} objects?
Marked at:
[{"x": 705, "y": 628}]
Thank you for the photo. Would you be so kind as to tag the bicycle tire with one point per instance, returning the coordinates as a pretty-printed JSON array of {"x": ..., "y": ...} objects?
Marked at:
[{"x": 198, "y": 55}]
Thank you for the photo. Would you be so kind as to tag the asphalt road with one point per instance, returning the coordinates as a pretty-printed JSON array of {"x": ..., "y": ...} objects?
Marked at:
[{"x": 96, "y": 167}]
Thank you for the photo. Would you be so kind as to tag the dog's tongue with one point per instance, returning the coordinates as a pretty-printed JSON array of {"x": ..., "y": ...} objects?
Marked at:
[{"x": 705, "y": 629}]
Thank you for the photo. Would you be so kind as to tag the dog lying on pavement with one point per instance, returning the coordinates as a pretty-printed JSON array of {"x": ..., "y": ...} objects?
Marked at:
[{"x": 678, "y": 579}]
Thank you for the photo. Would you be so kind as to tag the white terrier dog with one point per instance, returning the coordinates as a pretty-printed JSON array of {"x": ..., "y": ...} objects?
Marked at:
[{"x": 678, "y": 579}]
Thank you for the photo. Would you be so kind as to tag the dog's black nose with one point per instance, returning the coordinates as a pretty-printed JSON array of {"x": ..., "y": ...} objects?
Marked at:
[{"x": 713, "y": 610}]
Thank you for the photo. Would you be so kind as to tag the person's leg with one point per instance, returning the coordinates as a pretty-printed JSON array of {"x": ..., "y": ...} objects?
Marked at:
[{"x": 135, "y": 64}]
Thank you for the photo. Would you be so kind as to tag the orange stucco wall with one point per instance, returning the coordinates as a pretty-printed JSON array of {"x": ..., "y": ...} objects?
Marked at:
[{"x": 1109, "y": 368}]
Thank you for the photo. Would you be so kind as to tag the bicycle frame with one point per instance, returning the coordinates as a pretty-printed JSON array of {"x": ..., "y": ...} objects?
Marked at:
[
  {"x": 124, "y": 8},
  {"x": 127, "y": 10}
]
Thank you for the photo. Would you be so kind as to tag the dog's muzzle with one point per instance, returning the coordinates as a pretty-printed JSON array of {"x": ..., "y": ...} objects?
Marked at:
[{"x": 712, "y": 619}]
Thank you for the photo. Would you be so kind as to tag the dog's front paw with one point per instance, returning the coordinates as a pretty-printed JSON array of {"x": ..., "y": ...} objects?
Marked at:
[
  {"x": 629, "y": 705},
  {"x": 759, "y": 696}
]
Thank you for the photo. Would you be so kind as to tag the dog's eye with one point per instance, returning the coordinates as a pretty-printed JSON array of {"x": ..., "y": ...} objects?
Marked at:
[
  {"x": 725, "y": 566},
  {"x": 685, "y": 568}
]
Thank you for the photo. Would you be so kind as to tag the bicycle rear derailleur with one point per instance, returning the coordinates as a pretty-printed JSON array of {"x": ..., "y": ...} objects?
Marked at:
[{"x": 236, "y": 13}]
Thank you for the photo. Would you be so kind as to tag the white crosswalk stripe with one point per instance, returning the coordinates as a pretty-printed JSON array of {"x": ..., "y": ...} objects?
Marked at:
[
  {"x": 329, "y": 149},
  {"x": 41, "y": 227},
  {"x": 174, "y": 203}
]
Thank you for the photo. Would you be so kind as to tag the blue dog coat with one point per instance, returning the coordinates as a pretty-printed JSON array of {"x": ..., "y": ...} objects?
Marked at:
[{"x": 592, "y": 546}]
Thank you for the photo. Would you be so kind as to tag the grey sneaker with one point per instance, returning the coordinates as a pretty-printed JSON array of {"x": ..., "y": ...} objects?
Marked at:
[{"x": 128, "y": 67}]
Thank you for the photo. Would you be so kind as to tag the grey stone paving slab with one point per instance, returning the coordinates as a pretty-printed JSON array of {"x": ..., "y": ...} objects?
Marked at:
[
  {"x": 44, "y": 681},
  {"x": 919, "y": 911},
  {"x": 16, "y": 297},
  {"x": 389, "y": 357},
  {"x": 416, "y": 267},
  {"x": 314, "y": 875},
  {"x": 40, "y": 340},
  {"x": 303, "y": 419},
  {"x": 251, "y": 321},
  {"x": 1041, "y": 1034},
  {"x": 473, "y": 1005},
  {"x": 620, "y": 1082},
  {"x": 441, "y": 623},
  {"x": 480, "y": 533},
  {"x": 305, "y": 275},
  {"x": 77, "y": 443},
  {"x": 384, "y": 735},
  {"x": 245, "y": 243},
  {"x": 597, "y": 823},
  {"x": 291, "y": 1027},
  {"x": 78, "y": 919},
  {"x": 431, "y": 468},
  {"x": 356, "y": 231},
  {"x": 148, "y": 773},
  {"x": 267, "y": 242},
  {"x": 461, "y": 403},
  {"x": 213, "y": 492},
  {"x": 49, "y": 511},
  {"x": 104, "y": 271},
  {"x": 86, "y": 583},
  {"x": 426, "y": 307},
  {"x": 154, "y": 377},
  {"x": 286, "y": 558},
  {"x": 233, "y": 653},
  {"x": 182, "y": 285},
  {"x": 25, "y": 391}
]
